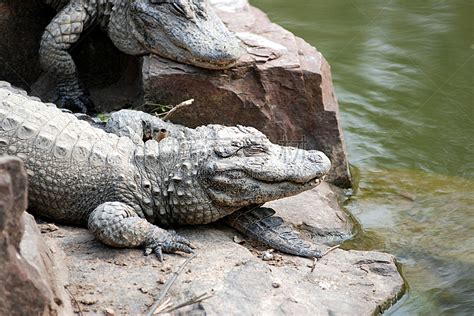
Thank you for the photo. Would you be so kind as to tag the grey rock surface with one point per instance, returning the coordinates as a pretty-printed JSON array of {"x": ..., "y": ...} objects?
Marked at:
[
  {"x": 123, "y": 281},
  {"x": 281, "y": 85}
]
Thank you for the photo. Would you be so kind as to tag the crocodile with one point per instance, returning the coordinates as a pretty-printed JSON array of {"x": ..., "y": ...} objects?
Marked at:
[
  {"x": 132, "y": 181},
  {"x": 187, "y": 31}
]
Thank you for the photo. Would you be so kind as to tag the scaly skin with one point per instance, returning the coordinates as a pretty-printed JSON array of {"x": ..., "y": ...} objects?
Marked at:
[
  {"x": 124, "y": 188},
  {"x": 187, "y": 31}
]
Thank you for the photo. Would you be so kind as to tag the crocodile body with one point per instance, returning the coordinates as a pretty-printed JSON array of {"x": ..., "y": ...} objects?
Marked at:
[
  {"x": 143, "y": 173},
  {"x": 187, "y": 31}
]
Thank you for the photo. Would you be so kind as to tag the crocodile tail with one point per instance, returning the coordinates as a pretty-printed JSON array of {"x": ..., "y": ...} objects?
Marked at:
[{"x": 261, "y": 224}]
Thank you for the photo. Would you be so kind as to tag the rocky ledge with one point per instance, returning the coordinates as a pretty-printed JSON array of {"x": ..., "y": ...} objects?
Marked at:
[{"x": 242, "y": 277}]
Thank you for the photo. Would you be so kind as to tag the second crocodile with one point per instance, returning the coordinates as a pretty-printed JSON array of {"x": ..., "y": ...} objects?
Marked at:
[{"x": 186, "y": 31}]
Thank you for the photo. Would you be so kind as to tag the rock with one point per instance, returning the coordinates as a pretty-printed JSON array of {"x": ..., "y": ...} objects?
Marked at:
[
  {"x": 282, "y": 86},
  {"x": 13, "y": 202},
  {"x": 23, "y": 290},
  {"x": 343, "y": 282},
  {"x": 42, "y": 259},
  {"x": 267, "y": 255},
  {"x": 238, "y": 240},
  {"x": 25, "y": 287}
]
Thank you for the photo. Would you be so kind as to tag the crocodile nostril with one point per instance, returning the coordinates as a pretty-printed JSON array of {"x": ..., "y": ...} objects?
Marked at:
[
  {"x": 320, "y": 160},
  {"x": 315, "y": 158}
]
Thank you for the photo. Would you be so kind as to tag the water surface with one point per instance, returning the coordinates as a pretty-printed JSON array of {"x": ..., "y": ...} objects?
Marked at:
[{"x": 403, "y": 73}]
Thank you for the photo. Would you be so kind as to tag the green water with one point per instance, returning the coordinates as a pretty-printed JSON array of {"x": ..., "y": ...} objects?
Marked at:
[{"x": 403, "y": 72}]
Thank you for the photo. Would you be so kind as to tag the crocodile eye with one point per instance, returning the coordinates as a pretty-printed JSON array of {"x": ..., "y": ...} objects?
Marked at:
[
  {"x": 255, "y": 150},
  {"x": 226, "y": 151}
]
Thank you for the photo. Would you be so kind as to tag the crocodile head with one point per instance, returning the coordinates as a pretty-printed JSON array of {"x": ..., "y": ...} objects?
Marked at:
[
  {"x": 186, "y": 31},
  {"x": 200, "y": 175},
  {"x": 245, "y": 168}
]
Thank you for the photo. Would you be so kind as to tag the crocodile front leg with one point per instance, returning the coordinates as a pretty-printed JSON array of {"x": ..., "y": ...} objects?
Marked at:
[
  {"x": 116, "y": 224},
  {"x": 63, "y": 32},
  {"x": 138, "y": 126}
]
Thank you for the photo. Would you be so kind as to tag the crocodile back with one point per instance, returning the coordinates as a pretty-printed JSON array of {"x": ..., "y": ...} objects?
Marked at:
[{"x": 70, "y": 164}]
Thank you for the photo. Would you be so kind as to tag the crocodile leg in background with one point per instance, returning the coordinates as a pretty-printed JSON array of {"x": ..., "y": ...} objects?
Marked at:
[
  {"x": 116, "y": 224},
  {"x": 60, "y": 35}
]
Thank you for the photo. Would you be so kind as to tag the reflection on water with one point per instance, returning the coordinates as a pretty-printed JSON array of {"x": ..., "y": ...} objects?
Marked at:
[{"x": 403, "y": 73}]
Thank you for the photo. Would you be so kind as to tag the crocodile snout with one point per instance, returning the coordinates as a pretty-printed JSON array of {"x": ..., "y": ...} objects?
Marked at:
[
  {"x": 221, "y": 55},
  {"x": 321, "y": 162}
]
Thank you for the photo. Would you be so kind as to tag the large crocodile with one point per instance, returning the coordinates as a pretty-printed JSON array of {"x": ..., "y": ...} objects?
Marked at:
[
  {"x": 187, "y": 31},
  {"x": 144, "y": 172}
]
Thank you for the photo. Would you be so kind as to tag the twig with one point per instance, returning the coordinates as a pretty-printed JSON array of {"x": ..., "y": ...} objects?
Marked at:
[
  {"x": 330, "y": 249},
  {"x": 191, "y": 301},
  {"x": 177, "y": 107},
  {"x": 314, "y": 264},
  {"x": 74, "y": 300},
  {"x": 168, "y": 285},
  {"x": 166, "y": 304},
  {"x": 325, "y": 253}
]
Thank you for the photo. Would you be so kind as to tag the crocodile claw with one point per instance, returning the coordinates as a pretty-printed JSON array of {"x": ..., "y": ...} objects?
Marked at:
[
  {"x": 77, "y": 104},
  {"x": 171, "y": 243},
  {"x": 317, "y": 254}
]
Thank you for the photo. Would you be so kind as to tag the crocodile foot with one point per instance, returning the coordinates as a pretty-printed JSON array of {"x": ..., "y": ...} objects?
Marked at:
[
  {"x": 167, "y": 241},
  {"x": 261, "y": 224},
  {"x": 80, "y": 103}
]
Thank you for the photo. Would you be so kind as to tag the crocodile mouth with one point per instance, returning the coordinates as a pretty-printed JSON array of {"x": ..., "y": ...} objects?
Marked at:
[
  {"x": 244, "y": 191},
  {"x": 232, "y": 175},
  {"x": 239, "y": 182},
  {"x": 213, "y": 64},
  {"x": 187, "y": 56}
]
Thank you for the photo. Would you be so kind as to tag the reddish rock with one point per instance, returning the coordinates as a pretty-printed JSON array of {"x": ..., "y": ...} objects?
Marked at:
[
  {"x": 282, "y": 86},
  {"x": 24, "y": 288}
]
